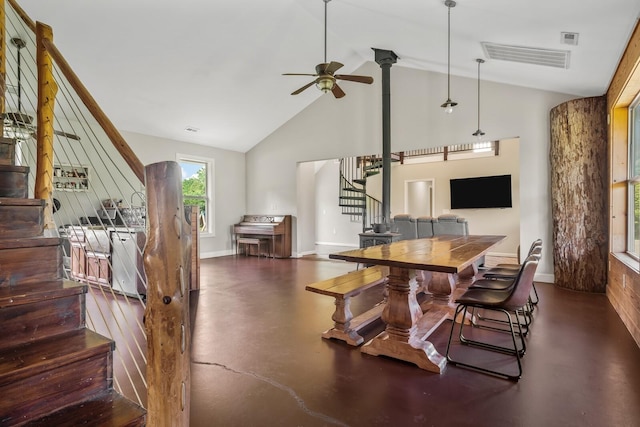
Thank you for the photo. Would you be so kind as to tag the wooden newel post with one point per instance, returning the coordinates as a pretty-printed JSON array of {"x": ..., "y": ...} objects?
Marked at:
[
  {"x": 47, "y": 89},
  {"x": 167, "y": 263}
]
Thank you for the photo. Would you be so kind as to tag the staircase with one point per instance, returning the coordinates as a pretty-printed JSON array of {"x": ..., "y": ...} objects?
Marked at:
[
  {"x": 354, "y": 199},
  {"x": 53, "y": 370}
]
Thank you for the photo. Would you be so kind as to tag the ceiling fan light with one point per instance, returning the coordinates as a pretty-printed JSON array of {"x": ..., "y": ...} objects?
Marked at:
[
  {"x": 325, "y": 84},
  {"x": 478, "y": 134}
]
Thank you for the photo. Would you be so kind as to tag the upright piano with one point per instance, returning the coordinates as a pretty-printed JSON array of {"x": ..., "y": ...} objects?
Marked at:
[{"x": 277, "y": 228}]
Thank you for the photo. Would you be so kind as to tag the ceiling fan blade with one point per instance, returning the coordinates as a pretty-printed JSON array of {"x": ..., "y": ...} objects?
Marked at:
[
  {"x": 303, "y": 88},
  {"x": 299, "y": 74},
  {"x": 353, "y": 78},
  {"x": 328, "y": 68},
  {"x": 337, "y": 91}
]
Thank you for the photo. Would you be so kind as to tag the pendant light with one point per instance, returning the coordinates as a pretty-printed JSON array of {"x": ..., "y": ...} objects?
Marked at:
[
  {"x": 479, "y": 134},
  {"x": 449, "y": 104}
]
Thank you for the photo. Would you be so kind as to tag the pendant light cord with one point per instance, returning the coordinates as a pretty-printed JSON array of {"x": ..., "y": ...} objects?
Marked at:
[
  {"x": 479, "y": 62},
  {"x": 449, "y": 52},
  {"x": 479, "y": 132}
]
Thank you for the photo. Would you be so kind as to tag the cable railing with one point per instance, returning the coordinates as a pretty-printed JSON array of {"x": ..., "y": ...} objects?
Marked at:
[{"x": 98, "y": 205}]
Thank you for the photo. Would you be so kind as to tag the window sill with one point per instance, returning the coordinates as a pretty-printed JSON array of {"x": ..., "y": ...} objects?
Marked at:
[{"x": 627, "y": 260}]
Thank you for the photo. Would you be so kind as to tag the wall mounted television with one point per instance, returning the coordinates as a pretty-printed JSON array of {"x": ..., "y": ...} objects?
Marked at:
[{"x": 481, "y": 192}]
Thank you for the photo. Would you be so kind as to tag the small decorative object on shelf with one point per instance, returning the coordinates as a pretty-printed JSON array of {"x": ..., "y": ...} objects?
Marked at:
[{"x": 71, "y": 178}]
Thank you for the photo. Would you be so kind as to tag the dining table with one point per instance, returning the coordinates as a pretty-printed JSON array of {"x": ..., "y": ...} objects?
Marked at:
[{"x": 440, "y": 267}]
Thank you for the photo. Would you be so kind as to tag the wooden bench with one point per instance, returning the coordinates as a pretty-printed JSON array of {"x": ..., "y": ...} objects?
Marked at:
[
  {"x": 342, "y": 288},
  {"x": 252, "y": 241}
]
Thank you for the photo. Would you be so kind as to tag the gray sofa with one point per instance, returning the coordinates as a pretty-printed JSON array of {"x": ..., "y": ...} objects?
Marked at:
[{"x": 426, "y": 226}]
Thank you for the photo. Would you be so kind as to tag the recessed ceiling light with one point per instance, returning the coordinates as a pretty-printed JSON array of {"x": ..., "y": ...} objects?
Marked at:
[{"x": 192, "y": 129}]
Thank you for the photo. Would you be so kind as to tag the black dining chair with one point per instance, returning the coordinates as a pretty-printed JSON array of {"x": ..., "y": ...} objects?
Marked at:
[
  {"x": 510, "y": 271},
  {"x": 503, "y": 283},
  {"x": 506, "y": 301}
]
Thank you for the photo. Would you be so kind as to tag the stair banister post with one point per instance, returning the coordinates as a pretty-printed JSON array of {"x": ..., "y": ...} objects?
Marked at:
[{"x": 47, "y": 89}]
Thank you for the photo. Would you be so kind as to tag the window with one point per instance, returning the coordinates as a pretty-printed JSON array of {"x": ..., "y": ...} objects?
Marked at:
[
  {"x": 197, "y": 188},
  {"x": 633, "y": 243}
]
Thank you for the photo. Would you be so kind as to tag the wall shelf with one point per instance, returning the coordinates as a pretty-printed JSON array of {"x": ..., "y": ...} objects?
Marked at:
[{"x": 70, "y": 178}]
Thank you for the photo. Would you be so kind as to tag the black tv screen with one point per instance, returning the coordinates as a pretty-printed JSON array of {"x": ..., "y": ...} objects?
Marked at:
[{"x": 481, "y": 192}]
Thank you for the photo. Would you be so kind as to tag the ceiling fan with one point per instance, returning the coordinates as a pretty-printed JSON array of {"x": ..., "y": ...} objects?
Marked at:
[
  {"x": 325, "y": 77},
  {"x": 18, "y": 124}
]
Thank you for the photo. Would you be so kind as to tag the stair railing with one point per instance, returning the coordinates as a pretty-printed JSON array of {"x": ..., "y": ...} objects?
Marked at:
[{"x": 94, "y": 184}]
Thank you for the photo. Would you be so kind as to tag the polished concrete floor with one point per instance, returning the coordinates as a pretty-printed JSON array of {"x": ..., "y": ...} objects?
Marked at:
[{"x": 259, "y": 360}]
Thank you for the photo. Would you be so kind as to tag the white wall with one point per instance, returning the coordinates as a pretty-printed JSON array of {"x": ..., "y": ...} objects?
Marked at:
[
  {"x": 229, "y": 184},
  {"x": 481, "y": 221},
  {"x": 332, "y": 228},
  {"x": 335, "y": 229},
  {"x": 331, "y": 128}
]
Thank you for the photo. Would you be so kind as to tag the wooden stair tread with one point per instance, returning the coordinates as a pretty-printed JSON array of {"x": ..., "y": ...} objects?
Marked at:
[
  {"x": 28, "y": 293},
  {"x": 107, "y": 409},
  {"x": 13, "y": 168},
  {"x": 33, "y": 242},
  {"x": 16, "y": 201},
  {"x": 26, "y": 359}
]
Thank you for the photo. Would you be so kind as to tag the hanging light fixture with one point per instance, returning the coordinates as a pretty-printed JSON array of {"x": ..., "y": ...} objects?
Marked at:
[
  {"x": 479, "y": 134},
  {"x": 449, "y": 104}
]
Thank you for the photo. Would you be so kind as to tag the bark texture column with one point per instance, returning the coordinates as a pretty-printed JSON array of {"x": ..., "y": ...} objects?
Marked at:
[{"x": 578, "y": 158}]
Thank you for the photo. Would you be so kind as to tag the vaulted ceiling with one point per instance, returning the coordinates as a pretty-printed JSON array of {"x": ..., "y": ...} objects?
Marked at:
[{"x": 158, "y": 67}]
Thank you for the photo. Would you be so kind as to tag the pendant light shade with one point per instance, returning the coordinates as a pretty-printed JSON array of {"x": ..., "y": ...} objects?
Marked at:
[
  {"x": 479, "y": 134},
  {"x": 449, "y": 104}
]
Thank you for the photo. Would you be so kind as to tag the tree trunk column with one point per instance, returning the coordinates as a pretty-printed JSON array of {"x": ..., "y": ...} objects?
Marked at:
[{"x": 578, "y": 158}]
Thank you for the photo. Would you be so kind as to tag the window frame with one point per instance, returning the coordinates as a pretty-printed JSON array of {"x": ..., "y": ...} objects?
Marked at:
[
  {"x": 210, "y": 196},
  {"x": 633, "y": 180}
]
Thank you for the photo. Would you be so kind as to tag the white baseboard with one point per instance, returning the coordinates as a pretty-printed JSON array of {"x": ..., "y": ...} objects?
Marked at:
[
  {"x": 346, "y": 245},
  {"x": 216, "y": 254},
  {"x": 543, "y": 277},
  {"x": 301, "y": 254}
]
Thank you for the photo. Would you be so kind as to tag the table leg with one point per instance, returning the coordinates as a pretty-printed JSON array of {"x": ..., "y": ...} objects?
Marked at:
[
  {"x": 442, "y": 286},
  {"x": 446, "y": 287},
  {"x": 342, "y": 319},
  {"x": 401, "y": 338}
]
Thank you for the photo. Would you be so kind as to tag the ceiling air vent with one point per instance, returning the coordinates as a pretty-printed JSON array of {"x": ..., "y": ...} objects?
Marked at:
[{"x": 527, "y": 55}]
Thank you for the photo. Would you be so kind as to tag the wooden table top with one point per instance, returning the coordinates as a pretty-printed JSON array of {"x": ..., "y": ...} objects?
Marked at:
[{"x": 446, "y": 253}]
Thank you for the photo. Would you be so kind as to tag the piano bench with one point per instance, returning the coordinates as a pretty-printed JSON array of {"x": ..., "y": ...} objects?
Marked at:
[
  {"x": 252, "y": 241},
  {"x": 342, "y": 288}
]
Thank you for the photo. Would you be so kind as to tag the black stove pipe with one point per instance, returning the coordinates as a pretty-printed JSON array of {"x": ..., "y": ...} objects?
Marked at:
[{"x": 386, "y": 58}]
